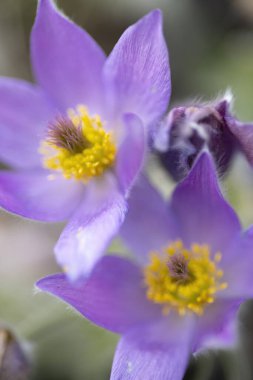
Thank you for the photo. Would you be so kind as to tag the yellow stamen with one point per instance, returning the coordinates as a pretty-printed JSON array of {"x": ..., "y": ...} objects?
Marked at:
[
  {"x": 96, "y": 149},
  {"x": 181, "y": 279}
]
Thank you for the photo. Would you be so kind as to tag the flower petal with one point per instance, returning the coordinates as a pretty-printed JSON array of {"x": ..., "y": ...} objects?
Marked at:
[
  {"x": 112, "y": 297},
  {"x": 238, "y": 268},
  {"x": 131, "y": 152},
  {"x": 90, "y": 229},
  {"x": 138, "y": 72},
  {"x": 148, "y": 225},
  {"x": 24, "y": 113},
  {"x": 217, "y": 325},
  {"x": 66, "y": 60},
  {"x": 201, "y": 210},
  {"x": 34, "y": 195},
  {"x": 243, "y": 132},
  {"x": 153, "y": 352}
]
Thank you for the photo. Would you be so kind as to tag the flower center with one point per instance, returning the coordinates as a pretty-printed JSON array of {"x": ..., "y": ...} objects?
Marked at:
[
  {"x": 78, "y": 146},
  {"x": 181, "y": 279}
]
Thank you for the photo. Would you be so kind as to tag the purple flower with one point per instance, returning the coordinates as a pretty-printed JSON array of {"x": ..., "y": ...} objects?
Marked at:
[
  {"x": 77, "y": 141},
  {"x": 185, "y": 131},
  {"x": 193, "y": 268}
]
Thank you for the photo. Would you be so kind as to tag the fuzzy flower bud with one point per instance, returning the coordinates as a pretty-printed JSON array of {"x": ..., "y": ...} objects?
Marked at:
[{"x": 186, "y": 131}]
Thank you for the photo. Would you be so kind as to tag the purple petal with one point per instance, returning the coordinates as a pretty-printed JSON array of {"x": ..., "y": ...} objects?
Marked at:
[
  {"x": 155, "y": 351},
  {"x": 148, "y": 225},
  {"x": 217, "y": 325},
  {"x": 138, "y": 72},
  {"x": 34, "y": 195},
  {"x": 24, "y": 113},
  {"x": 90, "y": 229},
  {"x": 131, "y": 152},
  {"x": 66, "y": 60},
  {"x": 112, "y": 297},
  {"x": 243, "y": 132},
  {"x": 202, "y": 212},
  {"x": 238, "y": 268}
]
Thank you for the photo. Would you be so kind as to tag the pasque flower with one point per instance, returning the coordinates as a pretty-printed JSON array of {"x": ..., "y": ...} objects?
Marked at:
[
  {"x": 193, "y": 267},
  {"x": 186, "y": 130},
  {"x": 77, "y": 140}
]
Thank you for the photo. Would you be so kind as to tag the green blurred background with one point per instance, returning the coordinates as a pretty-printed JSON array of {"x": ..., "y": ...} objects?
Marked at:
[{"x": 211, "y": 49}]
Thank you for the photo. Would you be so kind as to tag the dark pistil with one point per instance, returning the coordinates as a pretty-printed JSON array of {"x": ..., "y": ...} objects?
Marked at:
[
  {"x": 178, "y": 269},
  {"x": 64, "y": 134}
]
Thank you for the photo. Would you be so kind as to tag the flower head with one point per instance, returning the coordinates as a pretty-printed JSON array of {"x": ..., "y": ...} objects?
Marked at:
[
  {"x": 183, "y": 279},
  {"x": 79, "y": 147},
  {"x": 193, "y": 267},
  {"x": 187, "y": 130},
  {"x": 77, "y": 140}
]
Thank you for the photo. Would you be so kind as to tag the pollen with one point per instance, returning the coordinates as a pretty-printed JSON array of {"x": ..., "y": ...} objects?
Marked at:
[
  {"x": 78, "y": 146},
  {"x": 184, "y": 280}
]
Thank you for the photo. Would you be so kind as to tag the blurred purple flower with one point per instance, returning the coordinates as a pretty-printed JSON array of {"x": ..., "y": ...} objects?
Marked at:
[
  {"x": 185, "y": 131},
  {"x": 193, "y": 269},
  {"x": 77, "y": 142},
  {"x": 14, "y": 361}
]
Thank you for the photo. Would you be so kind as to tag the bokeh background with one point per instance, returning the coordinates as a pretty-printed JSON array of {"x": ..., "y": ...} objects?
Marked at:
[{"x": 211, "y": 49}]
